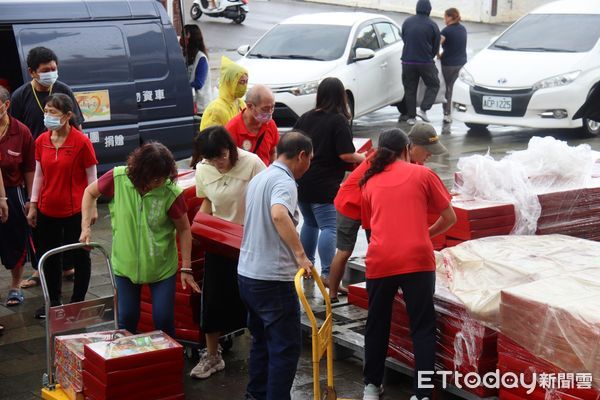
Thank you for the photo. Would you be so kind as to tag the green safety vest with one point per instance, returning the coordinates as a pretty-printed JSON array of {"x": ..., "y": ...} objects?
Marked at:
[{"x": 144, "y": 247}]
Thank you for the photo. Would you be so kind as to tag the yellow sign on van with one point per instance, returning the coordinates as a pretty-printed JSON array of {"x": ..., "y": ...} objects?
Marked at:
[{"x": 95, "y": 105}]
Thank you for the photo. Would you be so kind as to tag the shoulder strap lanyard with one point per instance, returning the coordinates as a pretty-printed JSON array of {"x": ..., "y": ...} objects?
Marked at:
[
  {"x": 259, "y": 141},
  {"x": 36, "y": 97}
]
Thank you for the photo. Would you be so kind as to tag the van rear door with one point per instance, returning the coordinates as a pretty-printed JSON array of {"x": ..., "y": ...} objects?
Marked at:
[{"x": 93, "y": 61}]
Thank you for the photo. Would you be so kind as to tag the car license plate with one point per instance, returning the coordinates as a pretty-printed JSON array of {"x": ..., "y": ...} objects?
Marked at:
[{"x": 496, "y": 103}]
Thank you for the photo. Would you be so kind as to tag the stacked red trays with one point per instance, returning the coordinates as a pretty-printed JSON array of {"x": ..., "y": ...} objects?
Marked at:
[
  {"x": 217, "y": 236},
  {"x": 479, "y": 218},
  {"x": 463, "y": 344},
  {"x": 69, "y": 357},
  {"x": 140, "y": 367},
  {"x": 357, "y": 295},
  {"x": 514, "y": 359}
]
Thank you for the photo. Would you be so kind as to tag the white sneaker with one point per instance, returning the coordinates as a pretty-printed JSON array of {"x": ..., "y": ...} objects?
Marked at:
[
  {"x": 423, "y": 115},
  {"x": 416, "y": 398},
  {"x": 411, "y": 121},
  {"x": 372, "y": 392},
  {"x": 447, "y": 119},
  {"x": 208, "y": 365}
]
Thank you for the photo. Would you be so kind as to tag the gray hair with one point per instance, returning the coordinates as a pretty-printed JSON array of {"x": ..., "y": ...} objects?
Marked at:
[
  {"x": 256, "y": 93},
  {"x": 4, "y": 94}
]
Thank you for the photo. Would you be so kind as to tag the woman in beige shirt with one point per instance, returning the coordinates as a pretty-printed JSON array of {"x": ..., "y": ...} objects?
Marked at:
[{"x": 221, "y": 180}]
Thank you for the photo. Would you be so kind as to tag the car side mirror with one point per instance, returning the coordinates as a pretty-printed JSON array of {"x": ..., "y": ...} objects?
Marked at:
[
  {"x": 243, "y": 49},
  {"x": 363, "y": 54}
]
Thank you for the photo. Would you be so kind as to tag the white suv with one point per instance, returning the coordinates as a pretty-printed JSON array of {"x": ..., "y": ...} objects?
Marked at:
[{"x": 537, "y": 73}]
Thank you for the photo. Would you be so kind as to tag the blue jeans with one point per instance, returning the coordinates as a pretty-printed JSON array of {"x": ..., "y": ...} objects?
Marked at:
[
  {"x": 274, "y": 322},
  {"x": 163, "y": 304},
  {"x": 319, "y": 218}
]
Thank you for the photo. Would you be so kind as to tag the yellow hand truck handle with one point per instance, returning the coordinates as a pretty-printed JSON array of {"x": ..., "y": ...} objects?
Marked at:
[{"x": 321, "y": 336}]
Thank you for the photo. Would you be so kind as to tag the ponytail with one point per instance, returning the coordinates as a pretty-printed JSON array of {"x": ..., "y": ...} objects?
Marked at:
[{"x": 392, "y": 143}]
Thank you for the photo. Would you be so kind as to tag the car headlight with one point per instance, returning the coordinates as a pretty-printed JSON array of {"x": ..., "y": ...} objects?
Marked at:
[
  {"x": 555, "y": 81},
  {"x": 466, "y": 77},
  {"x": 305, "y": 88}
]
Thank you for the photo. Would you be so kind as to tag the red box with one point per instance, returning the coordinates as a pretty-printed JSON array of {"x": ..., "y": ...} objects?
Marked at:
[
  {"x": 217, "y": 236},
  {"x": 126, "y": 377},
  {"x": 153, "y": 387}
]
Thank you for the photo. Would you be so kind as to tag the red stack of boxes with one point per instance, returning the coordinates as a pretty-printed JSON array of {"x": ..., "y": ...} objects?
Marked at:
[
  {"x": 463, "y": 344},
  {"x": 139, "y": 367},
  {"x": 479, "y": 218},
  {"x": 69, "y": 356},
  {"x": 551, "y": 382}
]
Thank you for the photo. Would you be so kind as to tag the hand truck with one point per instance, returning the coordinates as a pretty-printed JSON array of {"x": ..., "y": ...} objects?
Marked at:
[
  {"x": 72, "y": 317},
  {"x": 322, "y": 337}
]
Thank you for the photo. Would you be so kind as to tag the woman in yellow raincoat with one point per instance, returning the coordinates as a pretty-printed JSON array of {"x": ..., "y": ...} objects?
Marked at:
[{"x": 232, "y": 87}]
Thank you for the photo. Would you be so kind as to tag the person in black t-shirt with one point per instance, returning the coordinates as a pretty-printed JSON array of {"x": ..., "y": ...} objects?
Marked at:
[
  {"x": 27, "y": 102},
  {"x": 27, "y": 106},
  {"x": 328, "y": 125},
  {"x": 454, "y": 56}
]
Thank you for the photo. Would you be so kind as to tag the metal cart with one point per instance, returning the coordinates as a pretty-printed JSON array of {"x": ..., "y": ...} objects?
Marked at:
[{"x": 72, "y": 317}]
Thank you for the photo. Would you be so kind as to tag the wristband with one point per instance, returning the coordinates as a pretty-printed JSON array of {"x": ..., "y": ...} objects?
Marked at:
[
  {"x": 187, "y": 270},
  {"x": 3, "y": 198}
]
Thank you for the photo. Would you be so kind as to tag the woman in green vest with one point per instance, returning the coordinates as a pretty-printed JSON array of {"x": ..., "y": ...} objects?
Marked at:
[{"x": 147, "y": 209}]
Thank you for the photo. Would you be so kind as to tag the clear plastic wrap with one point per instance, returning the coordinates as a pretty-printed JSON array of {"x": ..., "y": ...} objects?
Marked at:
[
  {"x": 478, "y": 270},
  {"x": 546, "y": 166},
  {"x": 557, "y": 319}
]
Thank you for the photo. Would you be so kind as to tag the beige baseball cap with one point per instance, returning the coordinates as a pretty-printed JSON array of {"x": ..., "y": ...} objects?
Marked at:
[{"x": 424, "y": 135}]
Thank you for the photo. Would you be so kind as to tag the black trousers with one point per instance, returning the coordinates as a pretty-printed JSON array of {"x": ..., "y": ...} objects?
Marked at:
[
  {"x": 411, "y": 73},
  {"x": 54, "y": 232},
  {"x": 418, "y": 289}
]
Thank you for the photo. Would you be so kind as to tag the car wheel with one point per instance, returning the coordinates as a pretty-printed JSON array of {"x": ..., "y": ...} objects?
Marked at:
[
  {"x": 476, "y": 127},
  {"x": 195, "y": 12},
  {"x": 591, "y": 127},
  {"x": 240, "y": 18}
]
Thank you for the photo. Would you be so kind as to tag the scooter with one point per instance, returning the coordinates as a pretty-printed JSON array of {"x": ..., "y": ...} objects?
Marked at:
[{"x": 235, "y": 10}]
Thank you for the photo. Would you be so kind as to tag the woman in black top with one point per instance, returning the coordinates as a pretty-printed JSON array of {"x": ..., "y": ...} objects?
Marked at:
[
  {"x": 454, "y": 56},
  {"x": 328, "y": 125}
]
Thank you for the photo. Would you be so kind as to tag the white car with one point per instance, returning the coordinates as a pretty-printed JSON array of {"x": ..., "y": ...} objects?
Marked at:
[
  {"x": 537, "y": 73},
  {"x": 363, "y": 50}
]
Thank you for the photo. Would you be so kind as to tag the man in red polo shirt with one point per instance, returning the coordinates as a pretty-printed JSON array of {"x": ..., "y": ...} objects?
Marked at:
[{"x": 253, "y": 129}]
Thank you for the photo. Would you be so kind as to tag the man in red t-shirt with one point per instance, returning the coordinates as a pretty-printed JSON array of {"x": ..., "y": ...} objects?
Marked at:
[
  {"x": 424, "y": 143},
  {"x": 253, "y": 129}
]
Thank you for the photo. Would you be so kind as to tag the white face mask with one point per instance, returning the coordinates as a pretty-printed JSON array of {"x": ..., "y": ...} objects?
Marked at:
[
  {"x": 47, "y": 79},
  {"x": 52, "y": 122}
]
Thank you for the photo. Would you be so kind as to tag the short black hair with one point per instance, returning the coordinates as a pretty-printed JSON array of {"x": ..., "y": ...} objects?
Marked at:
[
  {"x": 40, "y": 55},
  {"x": 210, "y": 143},
  {"x": 294, "y": 142}
]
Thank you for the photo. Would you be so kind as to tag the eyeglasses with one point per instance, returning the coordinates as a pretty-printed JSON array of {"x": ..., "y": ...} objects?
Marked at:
[{"x": 224, "y": 156}]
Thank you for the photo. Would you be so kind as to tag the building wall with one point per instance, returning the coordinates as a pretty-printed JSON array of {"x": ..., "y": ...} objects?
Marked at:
[{"x": 471, "y": 10}]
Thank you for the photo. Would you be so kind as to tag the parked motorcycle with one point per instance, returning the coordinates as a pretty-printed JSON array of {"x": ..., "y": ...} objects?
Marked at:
[{"x": 235, "y": 10}]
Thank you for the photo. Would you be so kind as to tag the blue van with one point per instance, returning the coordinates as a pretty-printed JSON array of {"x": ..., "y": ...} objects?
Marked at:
[{"x": 123, "y": 62}]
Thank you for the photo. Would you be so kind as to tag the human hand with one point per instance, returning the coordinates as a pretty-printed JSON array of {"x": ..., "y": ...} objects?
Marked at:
[
  {"x": 304, "y": 262},
  {"x": 3, "y": 210},
  {"x": 188, "y": 279},
  {"x": 32, "y": 216},
  {"x": 86, "y": 235}
]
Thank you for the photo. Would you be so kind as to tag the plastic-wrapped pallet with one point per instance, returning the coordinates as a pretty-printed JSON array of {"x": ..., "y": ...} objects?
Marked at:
[{"x": 557, "y": 319}]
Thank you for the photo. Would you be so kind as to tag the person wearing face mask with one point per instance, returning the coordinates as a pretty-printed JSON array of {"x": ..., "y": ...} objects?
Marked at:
[
  {"x": 65, "y": 163},
  {"x": 222, "y": 178},
  {"x": 253, "y": 129},
  {"x": 17, "y": 159},
  {"x": 27, "y": 102},
  {"x": 233, "y": 84},
  {"x": 27, "y": 106},
  {"x": 390, "y": 181}
]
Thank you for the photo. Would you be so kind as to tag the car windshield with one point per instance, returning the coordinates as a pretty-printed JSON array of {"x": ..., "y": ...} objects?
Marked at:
[
  {"x": 565, "y": 33},
  {"x": 303, "y": 42}
]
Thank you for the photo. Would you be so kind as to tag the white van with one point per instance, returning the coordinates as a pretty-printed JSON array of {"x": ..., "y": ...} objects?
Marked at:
[{"x": 537, "y": 73}]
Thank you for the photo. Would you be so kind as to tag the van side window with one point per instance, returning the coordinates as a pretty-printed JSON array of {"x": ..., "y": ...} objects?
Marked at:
[
  {"x": 83, "y": 59},
  {"x": 148, "y": 50}
]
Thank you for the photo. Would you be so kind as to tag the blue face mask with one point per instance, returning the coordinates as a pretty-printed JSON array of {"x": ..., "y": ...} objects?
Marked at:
[
  {"x": 51, "y": 122},
  {"x": 47, "y": 79}
]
